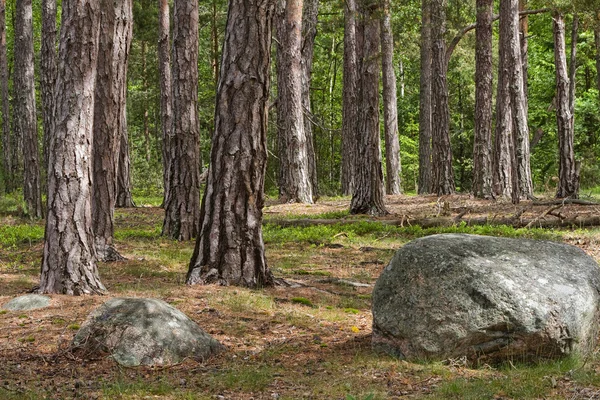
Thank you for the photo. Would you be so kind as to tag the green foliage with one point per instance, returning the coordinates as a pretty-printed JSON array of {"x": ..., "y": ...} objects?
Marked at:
[
  {"x": 303, "y": 301},
  {"x": 13, "y": 235}
]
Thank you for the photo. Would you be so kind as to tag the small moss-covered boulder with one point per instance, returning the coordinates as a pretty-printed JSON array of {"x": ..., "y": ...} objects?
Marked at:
[
  {"x": 136, "y": 331},
  {"x": 487, "y": 298},
  {"x": 27, "y": 302}
]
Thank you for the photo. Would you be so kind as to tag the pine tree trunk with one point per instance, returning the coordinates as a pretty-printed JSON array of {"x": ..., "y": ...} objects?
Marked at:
[
  {"x": 109, "y": 104},
  {"x": 69, "y": 261},
  {"x": 214, "y": 33},
  {"x": 390, "y": 104},
  {"x": 309, "y": 32},
  {"x": 145, "y": 116},
  {"x": 294, "y": 175},
  {"x": 124, "y": 186},
  {"x": 7, "y": 141},
  {"x": 424, "y": 181},
  {"x": 368, "y": 196},
  {"x": 509, "y": 11},
  {"x": 524, "y": 41},
  {"x": 230, "y": 248},
  {"x": 164, "y": 67},
  {"x": 567, "y": 176},
  {"x": 182, "y": 206},
  {"x": 350, "y": 100},
  {"x": 443, "y": 174},
  {"x": 573, "y": 68},
  {"x": 24, "y": 117},
  {"x": 597, "y": 42},
  {"x": 48, "y": 70},
  {"x": 482, "y": 143}
]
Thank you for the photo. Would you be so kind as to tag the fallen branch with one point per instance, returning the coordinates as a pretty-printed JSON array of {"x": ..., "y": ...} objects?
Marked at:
[
  {"x": 566, "y": 201},
  {"x": 542, "y": 215}
]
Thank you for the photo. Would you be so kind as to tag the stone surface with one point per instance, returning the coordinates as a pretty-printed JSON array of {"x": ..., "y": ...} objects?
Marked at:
[
  {"x": 489, "y": 299},
  {"x": 27, "y": 302},
  {"x": 138, "y": 331}
]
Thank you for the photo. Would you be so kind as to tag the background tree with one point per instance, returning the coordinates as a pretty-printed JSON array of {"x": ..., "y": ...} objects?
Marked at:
[
  {"x": 230, "y": 249},
  {"x": 182, "y": 205},
  {"x": 164, "y": 62},
  {"x": 443, "y": 173},
  {"x": 294, "y": 174},
  {"x": 47, "y": 69},
  {"x": 124, "y": 184},
  {"x": 368, "y": 192},
  {"x": 69, "y": 260},
  {"x": 24, "y": 116},
  {"x": 482, "y": 148},
  {"x": 7, "y": 145},
  {"x": 109, "y": 105},
  {"x": 390, "y": 103},
  {"x": 568, "y": 182},
  {"x": 424, "y": 184}
]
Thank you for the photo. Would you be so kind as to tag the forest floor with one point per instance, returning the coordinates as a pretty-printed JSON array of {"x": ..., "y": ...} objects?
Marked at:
[{"x": 310, "y": 341}]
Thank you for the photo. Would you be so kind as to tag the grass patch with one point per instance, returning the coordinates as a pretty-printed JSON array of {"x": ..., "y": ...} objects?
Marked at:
[
  {"x": 13, "y": 235},
  {"x": 248, "y": 378},
  {"x": 302, "y": 300}
]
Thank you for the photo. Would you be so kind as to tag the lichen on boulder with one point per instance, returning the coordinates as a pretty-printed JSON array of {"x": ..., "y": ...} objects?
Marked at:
[
  {"x": 489, "y": 299},
  {"x": 27, "y": 302},
  {"x": 135, "y": 331}
]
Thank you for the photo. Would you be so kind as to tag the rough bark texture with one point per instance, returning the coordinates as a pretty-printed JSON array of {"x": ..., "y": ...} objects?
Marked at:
[
  {"x": 7, "y": 142},
  {"x": 164, "y": 68},
  {"x": 24, "y": 117},
  {"x": 230, "y": 249},
  {"x": 597, "y": 42},
  {"x": 110, "y": 97},
  {"x": 442, "y": 172},
  {"x": 567, "y": 175},
  {"x": 482, "y": 146},
  {"x": 509, "y": 14},
  {"x": 48, "y": 69},
  {"x": 294, "y": 176},
  {"x": 124, "y": 185},
  {"x": 573, "y": 68},
  {"x": 309, "y": 32},
  {"x": 368, "y": 192},
  {"x": 182, "y": 205},
  {"x": 349, "y": 100},
  {"x": 424, "y": 182},
  {"x": 69, "y": 261},
  {"x": 524, "y": 41},
  {"x": 390, "y": 104},
  {"x": 502, "y": 168}
]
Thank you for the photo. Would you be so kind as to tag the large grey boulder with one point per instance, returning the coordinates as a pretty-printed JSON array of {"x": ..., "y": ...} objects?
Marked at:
[
  {"x": 138, "y": 331},
  {"x": 27, "y": 302},
  {"x": 489, "y": 299}
]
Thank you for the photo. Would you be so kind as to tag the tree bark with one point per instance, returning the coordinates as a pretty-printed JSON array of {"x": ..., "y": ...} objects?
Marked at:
[
  {"x": 109, "y": 103},
  {"x": 294, "y": 175},
  {"x": 368, "y": 196},
  {"x": 482, "y": 143},
  {"x": 145, "y": 115},
  {"x": 309, "y": 32},
  {"x": 124, "y": 185},
  {"x": 424, "y": 181},
  {"x": 509, "y": 14},
  {"x": 182, "y": 205},
  {"x": 164, "y": 67},
  {"x": 443, "y": 175},
  {"x": 568, "y": 184},
  {"x": 597, "y": 42},
  {"x": 573, "y": 68},
  {"x": 7, "y": 141},
  {"x": 69, "y": 262},
  {"x": 230, "y": 249},
  {"x": 24, "y": 117},
  {"x": 390, "y": 104},
  {"x": 350, "y": 100},
  {"x": 524, "y": 41},
  {"x": 48, "y": 70}
]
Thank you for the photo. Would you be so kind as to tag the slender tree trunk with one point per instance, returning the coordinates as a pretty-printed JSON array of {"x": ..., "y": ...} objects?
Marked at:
[
  {"x": 424, "y": 182},
  {"x": 124, "y": 186},
  {"x": 524, "y": 41},
  {"x": 69, "y": 261},
  {"x": 509, "y": 11},
  {"x": 597, "y": 42},
  {"x": 350, "y": 100},
  {"x": 309, "y": 32},
  {"x": 443, "y": 174},
  {"x": 390, "y": 104},
  {"x": 164, "y": 67},
  {"x": 109, "y": 104},
  {"x": 482, "y": 143},
  {"x": 567, "y": 175},
  {"x": 182, "y": 206},
  {"x": 48, "y": 70},
  {"x": 230, "y": 249},
  {"x": 7, "y": 141},
  {"x": 25, "y": 119},
  {"x": 145, "y": 116},
  {"x": 368, "y": 196},
  {"x": 294, "y": 176},
  {"x": 214, "y": 33},
  {"x": 573, "y": 68}
]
